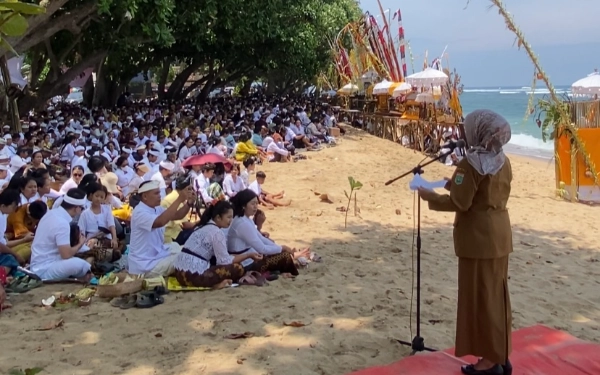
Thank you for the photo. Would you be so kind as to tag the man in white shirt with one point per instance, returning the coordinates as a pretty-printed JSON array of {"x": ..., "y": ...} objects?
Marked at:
[
  {"x": 165, "y": 170},
  {"x": 52, "y": 252},
  {"x": 148, "y": 254},
  {"x": 152, "y": 163},
  {"x": 19, "y": 160}
]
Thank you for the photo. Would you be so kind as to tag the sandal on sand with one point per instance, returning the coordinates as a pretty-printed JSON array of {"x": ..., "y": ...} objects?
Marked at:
[
  {"x": 23, "y": 284},
  {"x": 270, "y": 276},
  {"x": 253, "y": 278},
  {"x": 147, "y": 300},
  {"x": 124, "y": 302}
]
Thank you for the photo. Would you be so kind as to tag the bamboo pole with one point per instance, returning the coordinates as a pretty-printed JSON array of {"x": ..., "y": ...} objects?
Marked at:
[{"x": 565, "y": 118}]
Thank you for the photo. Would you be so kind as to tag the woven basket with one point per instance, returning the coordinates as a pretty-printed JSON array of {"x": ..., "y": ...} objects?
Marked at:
[{"x": 119, "y": 289}]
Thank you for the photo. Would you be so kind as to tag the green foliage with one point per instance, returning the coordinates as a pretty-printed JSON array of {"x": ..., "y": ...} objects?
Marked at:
[
  {"x": 230, "y": 39},
  {"x": 27, "y": 371},
  {"x": 354, "y": 186},
  {"x": 549, "y": 117},
  {"x": 13, "y": 21}
]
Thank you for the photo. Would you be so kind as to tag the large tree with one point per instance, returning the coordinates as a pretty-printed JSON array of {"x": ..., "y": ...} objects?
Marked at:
[
  {"x": 217, "y": 42},
  {"x": 111, "y": 32}
]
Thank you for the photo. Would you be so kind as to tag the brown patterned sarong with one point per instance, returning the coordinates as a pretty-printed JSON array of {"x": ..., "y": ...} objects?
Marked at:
[
  {"x": 211, "y": 277},
  {"x": 282, "y": 262}
]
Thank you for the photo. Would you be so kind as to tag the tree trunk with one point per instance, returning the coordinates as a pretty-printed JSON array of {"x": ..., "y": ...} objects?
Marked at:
[
  {"x": 162, "y": 78},
  {"x": 50, "y": 87},
  {"x": 245, "y": 91},
  {"x": 100, "y": 89},
  {"x": 194, "y": 86},
  {"x": 13, "y": 109},
  {"x": 88, "y": 92},
  {"x": 206, "y": 89},
  {"x": 179, "y": 81},
  {"x": 112, "y": 92}
]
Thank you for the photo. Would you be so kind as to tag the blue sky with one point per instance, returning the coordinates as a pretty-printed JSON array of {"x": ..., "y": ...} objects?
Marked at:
[{"x": 564, "y": 34}]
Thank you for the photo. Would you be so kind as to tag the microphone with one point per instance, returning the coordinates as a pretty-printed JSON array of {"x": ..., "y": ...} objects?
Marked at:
[{"x": 455, "y": 144}]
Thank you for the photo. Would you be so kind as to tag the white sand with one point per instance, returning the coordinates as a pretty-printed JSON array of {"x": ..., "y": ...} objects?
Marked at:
[{"x": 354, "y": 303}]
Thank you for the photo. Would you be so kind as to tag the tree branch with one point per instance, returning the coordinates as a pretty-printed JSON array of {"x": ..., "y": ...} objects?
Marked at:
[
  {"x": 54, "y": 63},
  {"x": 67, "y": 51},
  {"x": 50, "y": 86},
  {"x": 36, "y": 21},
  {"x": 67, "y": 21}
]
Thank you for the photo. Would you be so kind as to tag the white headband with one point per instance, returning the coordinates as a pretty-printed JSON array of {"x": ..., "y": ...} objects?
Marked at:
[
  {"x": 74, "y": 201},
  {"x": 149, "y": 186}
]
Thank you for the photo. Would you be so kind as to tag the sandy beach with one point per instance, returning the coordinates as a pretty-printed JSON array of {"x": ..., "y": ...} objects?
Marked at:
[{"x": 352, "y": 305}]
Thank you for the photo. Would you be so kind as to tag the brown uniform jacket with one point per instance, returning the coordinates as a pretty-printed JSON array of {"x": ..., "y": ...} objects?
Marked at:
[{"x": 482, "y": 226}]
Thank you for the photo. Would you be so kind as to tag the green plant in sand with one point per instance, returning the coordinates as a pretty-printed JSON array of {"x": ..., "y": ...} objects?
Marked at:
[
  {"x": 27, "y": 371},
  {"x": 354, "y": 186},
  {"x": 558, "y": 119}
]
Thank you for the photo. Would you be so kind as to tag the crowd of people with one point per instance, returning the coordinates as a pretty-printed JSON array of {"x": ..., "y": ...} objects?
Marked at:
[{"x": 151, "y": 188}]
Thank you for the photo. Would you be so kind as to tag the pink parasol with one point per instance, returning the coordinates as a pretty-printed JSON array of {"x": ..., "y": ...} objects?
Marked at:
[{"x": 205, "y": 159}]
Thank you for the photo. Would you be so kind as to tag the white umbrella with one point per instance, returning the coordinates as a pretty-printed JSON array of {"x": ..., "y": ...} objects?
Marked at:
[
  {"x": 427, "y": 77},
  {"x": 589, "y": 85},
  {"x": 402, "y": 89},
  {"x": 425, "y": 97},
  {"x": 383, "y": 87},
  {"x": 348, "y": 89}
]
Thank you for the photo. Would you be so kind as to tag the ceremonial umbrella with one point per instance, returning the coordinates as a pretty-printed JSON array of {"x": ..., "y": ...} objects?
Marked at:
[
  {"x": 428, "y": 77},
  {"x": 205, "y": 159},
  {"x": 384, "y": 87},
  {"x": 402, "y": 89},
  {"x": 589, "y": 85},
  {"x": 348, "y": 89}
]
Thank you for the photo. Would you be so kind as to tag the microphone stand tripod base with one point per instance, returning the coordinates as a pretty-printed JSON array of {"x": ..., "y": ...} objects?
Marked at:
[{"x": 417, "y": 345}]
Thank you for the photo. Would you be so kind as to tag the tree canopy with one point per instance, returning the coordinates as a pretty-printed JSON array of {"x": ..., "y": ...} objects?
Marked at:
[{"x": 207, "y": 44}]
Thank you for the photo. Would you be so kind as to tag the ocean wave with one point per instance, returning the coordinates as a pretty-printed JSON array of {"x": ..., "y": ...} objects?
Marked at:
[
  {"x": 481, "y": 90},
  {"x": 527, "y": 90},
  {"x": 527, "y": 141}
]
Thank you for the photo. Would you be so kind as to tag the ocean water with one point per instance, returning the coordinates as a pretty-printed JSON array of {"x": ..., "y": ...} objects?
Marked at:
[{"x": 511, "y": 102}]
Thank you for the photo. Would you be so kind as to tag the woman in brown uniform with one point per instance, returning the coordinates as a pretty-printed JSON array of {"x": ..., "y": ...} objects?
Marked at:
[{"x": 479, "y": 191}]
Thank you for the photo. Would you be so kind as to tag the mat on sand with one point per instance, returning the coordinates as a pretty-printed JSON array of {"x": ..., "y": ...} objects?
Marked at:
[{"x": 537, "y": 350}]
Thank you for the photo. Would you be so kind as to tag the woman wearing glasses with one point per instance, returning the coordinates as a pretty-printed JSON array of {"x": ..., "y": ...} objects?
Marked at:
[{"x": 73, "y": 182}]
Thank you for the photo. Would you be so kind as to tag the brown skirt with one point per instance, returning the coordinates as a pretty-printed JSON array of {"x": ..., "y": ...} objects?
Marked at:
[
  {"x": 211, "y": 277},
  {"x": 282, "y": 262},
  {"x": 484, "y": 321}
]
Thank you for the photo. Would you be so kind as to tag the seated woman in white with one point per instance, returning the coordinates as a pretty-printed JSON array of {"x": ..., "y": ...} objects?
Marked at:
[
  {"x": 76, "y": 175},
  {"x": 148, "y": 254},
  {"x": 233, "y": 183},
  {"x": 124, "y": 172},
  {"x": 208, "y": 245},
  {"x": 96, "y": 220},
  {"x": 52, "y": 252},
  {"x": 244, "y": 237},
  {"x": 140, "y": 171},
  {"x": 276, "y": 151}
]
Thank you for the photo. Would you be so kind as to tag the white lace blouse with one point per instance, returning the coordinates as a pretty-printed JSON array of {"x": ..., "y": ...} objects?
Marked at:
[{"x": 205, "y": 242}]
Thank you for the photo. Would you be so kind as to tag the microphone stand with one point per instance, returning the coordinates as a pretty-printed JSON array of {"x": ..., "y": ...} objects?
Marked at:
[{"x": 418, "y": 342}]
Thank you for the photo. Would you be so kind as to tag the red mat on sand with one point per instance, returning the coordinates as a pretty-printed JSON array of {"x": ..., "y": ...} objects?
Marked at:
[{"x": 537, "y": 350}]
